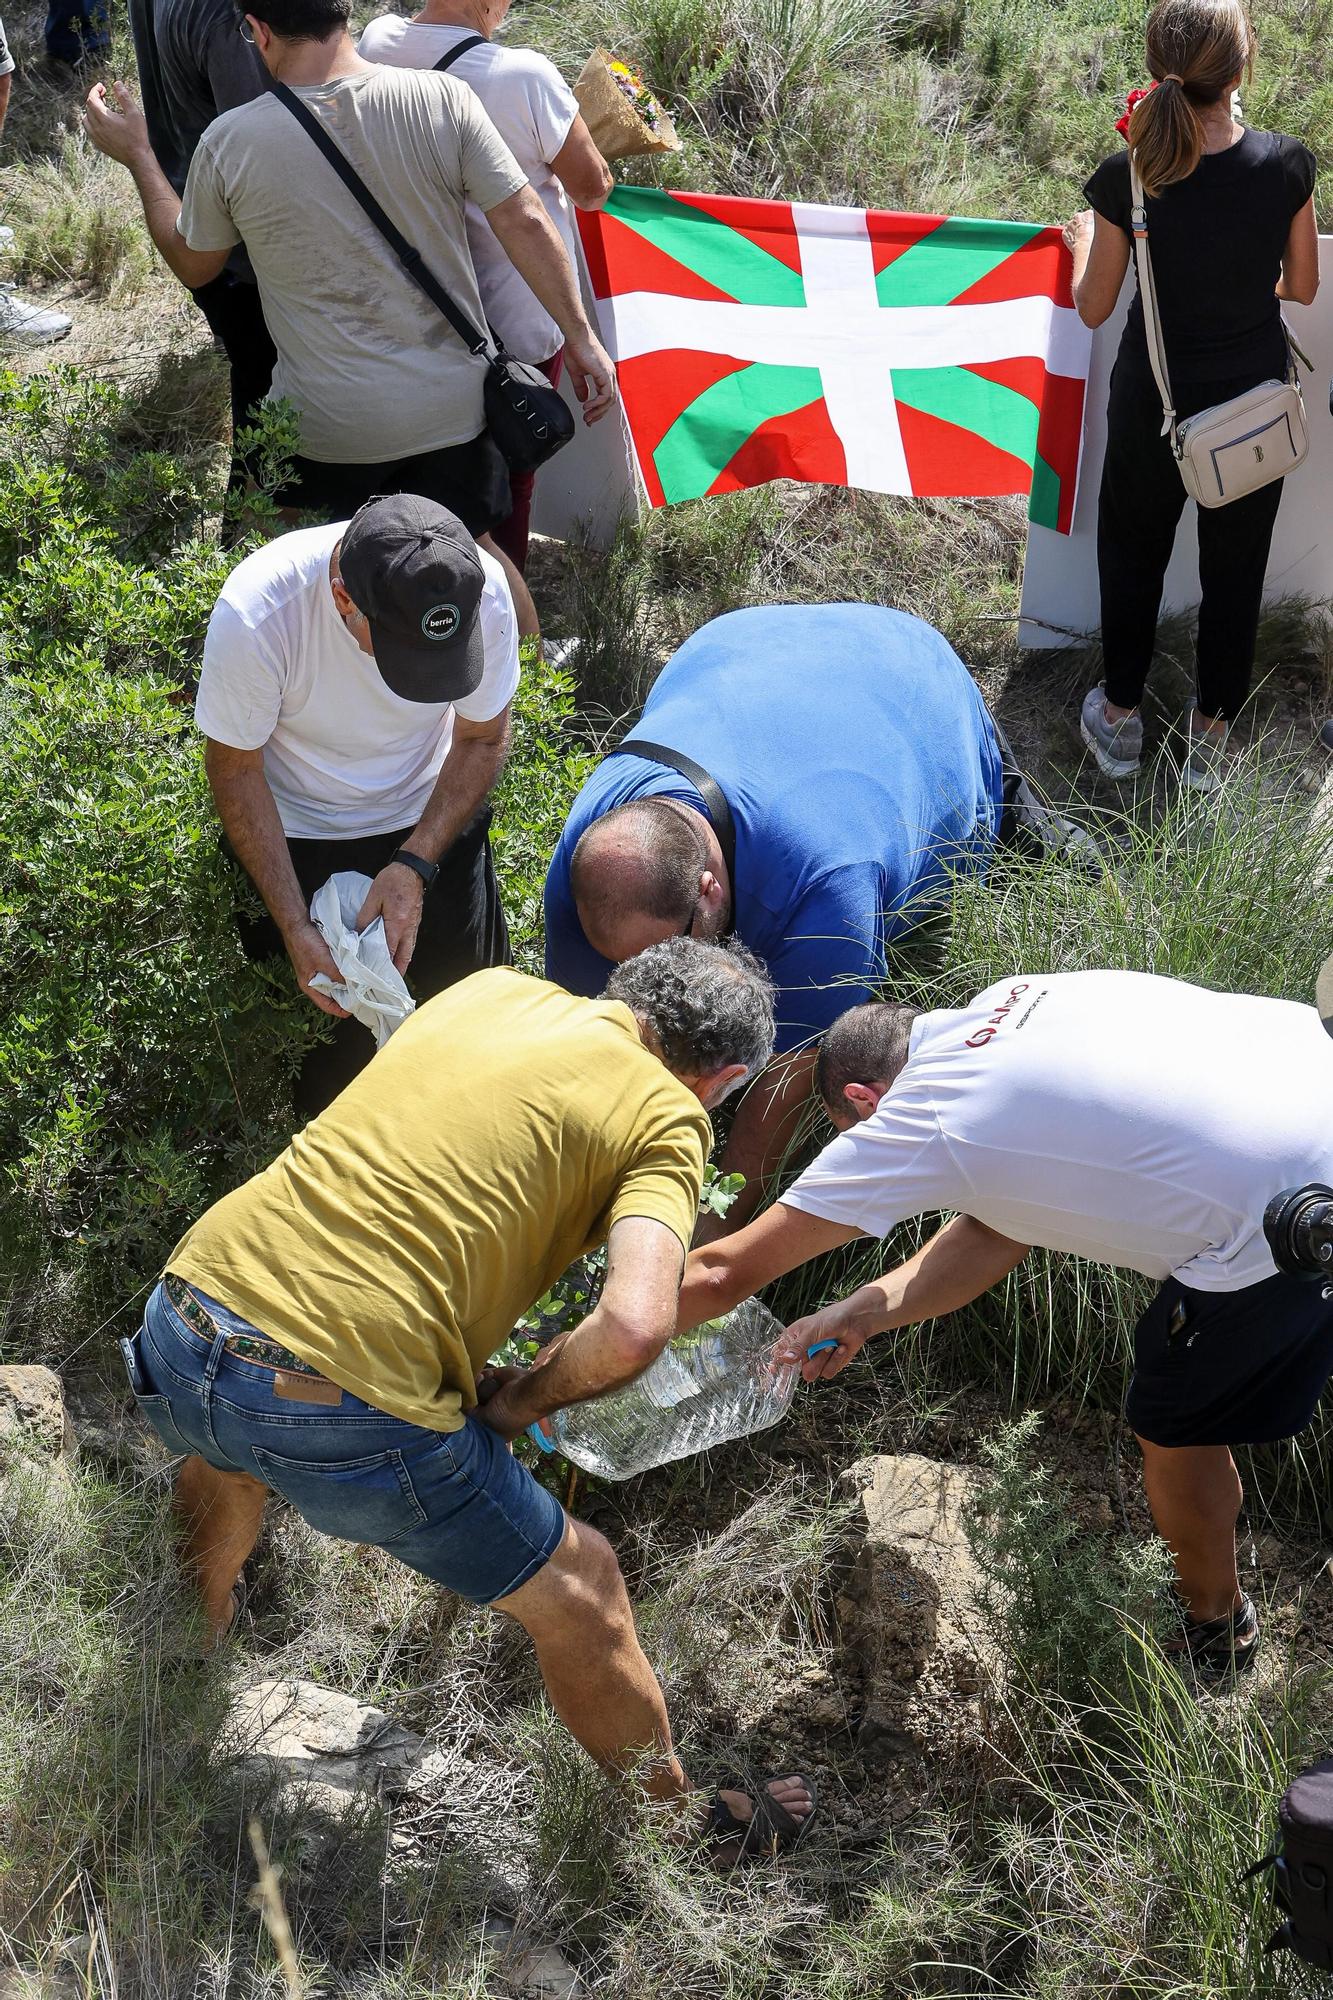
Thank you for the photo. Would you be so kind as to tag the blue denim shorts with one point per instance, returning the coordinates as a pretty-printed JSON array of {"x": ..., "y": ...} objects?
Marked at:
[{"x": 455, "y": 1505}]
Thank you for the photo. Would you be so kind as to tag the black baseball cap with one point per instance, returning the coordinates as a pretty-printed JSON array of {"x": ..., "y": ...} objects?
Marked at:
[{"x": 414, "y": 570}]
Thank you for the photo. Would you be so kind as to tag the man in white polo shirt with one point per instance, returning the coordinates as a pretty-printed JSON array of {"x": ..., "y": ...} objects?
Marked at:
[
  {"x": 1133, "y": 1120},
  {"x": 355, "y": 695}
]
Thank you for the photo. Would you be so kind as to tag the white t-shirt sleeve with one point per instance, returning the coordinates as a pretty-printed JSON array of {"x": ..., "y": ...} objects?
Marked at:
[
  {"x": 893, "y": 1165},
  {"x": 6, "y": 59},
  {"x": 376, "y": 36},
  {"x": 205, "y": 220},
  {"x": 240, "y": 683},
  {"x": 552, "y": 105},
  {"x": 499, "y": 630},
  {"x": 489, "y": 171}
]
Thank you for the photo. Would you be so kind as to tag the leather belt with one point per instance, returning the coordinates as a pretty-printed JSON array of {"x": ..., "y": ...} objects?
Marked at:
[{"x": 315, "y": 1388}]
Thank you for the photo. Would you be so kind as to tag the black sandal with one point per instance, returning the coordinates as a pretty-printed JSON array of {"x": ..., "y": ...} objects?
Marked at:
[
  {"x": 1217, "y": 1650},
  {"x": 770, "y": 1830}
]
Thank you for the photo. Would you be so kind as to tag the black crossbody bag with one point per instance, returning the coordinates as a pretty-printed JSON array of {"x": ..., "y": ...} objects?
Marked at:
[
  {"x": 528, "y": 419},
  {"x": 709, "y": 790}
]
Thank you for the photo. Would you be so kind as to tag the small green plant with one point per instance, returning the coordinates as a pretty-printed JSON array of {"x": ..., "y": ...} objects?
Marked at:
[
  {"x": 1061, "y": 1598},
  {"x": 573, "y": 1296},
  {"x": 547, "y": 764}
]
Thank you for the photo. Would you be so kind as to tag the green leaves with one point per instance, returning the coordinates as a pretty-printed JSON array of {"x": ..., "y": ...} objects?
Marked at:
[{"x": 143, "y": 1063}]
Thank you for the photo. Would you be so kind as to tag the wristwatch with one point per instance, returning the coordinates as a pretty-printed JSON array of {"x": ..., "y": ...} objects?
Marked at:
[{"x": 427, "y": 870}]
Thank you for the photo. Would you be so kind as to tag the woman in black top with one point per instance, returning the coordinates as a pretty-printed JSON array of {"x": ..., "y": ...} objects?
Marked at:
[{"x": 1232, "y": 228}]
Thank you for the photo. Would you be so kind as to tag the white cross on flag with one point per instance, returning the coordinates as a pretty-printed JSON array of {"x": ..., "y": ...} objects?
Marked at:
[{"x": 760, "y": 340}]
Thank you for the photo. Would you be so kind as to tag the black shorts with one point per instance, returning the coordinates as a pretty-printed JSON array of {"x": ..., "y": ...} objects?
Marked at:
[
  {"x": 471, "y": 480},
  {"x": 1242, "y": 1367}
]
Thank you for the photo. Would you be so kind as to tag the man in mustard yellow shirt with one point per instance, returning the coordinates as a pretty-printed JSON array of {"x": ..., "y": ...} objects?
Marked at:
[{"x": 320, "y": 1331}]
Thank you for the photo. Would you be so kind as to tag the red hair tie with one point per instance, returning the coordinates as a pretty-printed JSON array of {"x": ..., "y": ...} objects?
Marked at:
[{"x": 1135, "y": 97}]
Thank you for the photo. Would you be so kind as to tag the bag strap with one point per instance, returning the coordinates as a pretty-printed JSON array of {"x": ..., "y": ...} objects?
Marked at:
[
  {"x": 410, "y": 259},
  {"x": 1138, "y": 216},
  {"x": 709, "y": 790},
  {"x": 468, "y": 42}
]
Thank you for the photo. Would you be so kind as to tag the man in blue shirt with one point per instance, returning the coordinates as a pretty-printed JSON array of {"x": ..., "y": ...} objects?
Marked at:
[{"x": 859, "y": 764}]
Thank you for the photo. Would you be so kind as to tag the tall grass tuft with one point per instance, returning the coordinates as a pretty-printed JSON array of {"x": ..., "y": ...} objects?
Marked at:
[
  {"x": 1129, "y": 1880},
  {"x": 76, "y": 220}
]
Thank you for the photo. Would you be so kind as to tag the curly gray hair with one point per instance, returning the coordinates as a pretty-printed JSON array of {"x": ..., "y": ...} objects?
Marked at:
[{"x": 707, "y": 1005}]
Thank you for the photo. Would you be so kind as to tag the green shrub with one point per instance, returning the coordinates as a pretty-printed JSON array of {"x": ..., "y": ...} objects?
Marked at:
[
  {"x": 547, "y": 764},
  {"x": 143, "y": 1061},
  {"x": 144, "y": 1064},
  {"x": 1064, "y": 1602}
]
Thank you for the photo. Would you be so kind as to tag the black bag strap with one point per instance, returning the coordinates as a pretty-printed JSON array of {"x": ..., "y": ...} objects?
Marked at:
[
  {"x": 410, "y": 259},
  {"x": 468, "y": 42},
  {"x": 709, "y": 790}
]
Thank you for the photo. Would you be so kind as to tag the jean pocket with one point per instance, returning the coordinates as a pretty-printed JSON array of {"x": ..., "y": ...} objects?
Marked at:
[
  {"x": 354, "y": 1499},
  {"x": 156, "y": 1409}
]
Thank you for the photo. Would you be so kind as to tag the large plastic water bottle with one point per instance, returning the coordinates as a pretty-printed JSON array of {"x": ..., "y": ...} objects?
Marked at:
[{"x": 717, "y": 1383}]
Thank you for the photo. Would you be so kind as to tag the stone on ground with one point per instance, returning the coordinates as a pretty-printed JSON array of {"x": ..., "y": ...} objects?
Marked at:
[
  {"x": 910, "y": 1611},
  {"x": 536, "y": 1971},
  {"x": 34, "y": 1422},
  {"x": 321, "y": 1743}
]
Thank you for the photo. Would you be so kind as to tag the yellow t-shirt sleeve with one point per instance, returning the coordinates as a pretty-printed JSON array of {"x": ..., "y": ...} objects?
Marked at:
[{"x": 665, "y": 1179}]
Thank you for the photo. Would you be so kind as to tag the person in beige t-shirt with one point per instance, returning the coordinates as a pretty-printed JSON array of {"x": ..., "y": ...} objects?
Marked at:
[{"x": 389, "y": 398}]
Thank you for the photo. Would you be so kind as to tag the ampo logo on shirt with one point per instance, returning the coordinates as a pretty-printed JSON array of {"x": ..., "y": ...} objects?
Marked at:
[
  {"x": 992, "y": 1027},
  {"x": 442, "y": 621}
]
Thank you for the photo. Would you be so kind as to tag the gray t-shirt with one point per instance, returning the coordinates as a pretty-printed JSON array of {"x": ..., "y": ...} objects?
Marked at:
[
  {"x": 374, "y": 370},
  {"x": 193, "y": 66}
]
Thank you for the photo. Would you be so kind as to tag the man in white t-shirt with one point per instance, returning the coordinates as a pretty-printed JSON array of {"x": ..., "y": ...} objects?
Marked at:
[
  {"x": 388, "y": 395},
  {"x": 355, "y": 695},
  {"x": 1133, "y": 1120},
  {"x": 537, "y": 115}
]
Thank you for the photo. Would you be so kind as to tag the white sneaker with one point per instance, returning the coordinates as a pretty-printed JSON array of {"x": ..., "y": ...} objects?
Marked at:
[
  {"x": 1117, "y": 746},
  {"x": 27, "y": 324},
  {"x": 1206, "y": 762}
]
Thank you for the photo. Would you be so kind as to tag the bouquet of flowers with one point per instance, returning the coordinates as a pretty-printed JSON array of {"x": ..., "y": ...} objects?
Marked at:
[{"x": 620, "y": 111}]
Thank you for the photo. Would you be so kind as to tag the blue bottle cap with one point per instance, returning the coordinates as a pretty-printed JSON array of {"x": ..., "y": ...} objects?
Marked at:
[
  {"x": 820, "y": 1347},
  {"x": 540, "y": 1439}
]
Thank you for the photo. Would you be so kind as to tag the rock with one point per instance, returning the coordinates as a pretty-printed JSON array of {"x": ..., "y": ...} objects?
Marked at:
[
  {"x": 910, "y": 1608},
  {"x": 537, "y": 1971},
  {"x": 322, "y": 1743},
  {"x": 33, "y": 1417}
]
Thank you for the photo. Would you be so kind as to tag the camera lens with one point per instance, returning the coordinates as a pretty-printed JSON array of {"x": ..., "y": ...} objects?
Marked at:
[{"x": 1299, "y": 1228}]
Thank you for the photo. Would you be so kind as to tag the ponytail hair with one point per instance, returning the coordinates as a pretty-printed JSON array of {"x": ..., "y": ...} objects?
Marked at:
[{"x": 1196, "y": 49}]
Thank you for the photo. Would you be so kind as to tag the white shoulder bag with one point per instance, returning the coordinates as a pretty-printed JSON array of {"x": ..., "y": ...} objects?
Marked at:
[{"x": 1233, "y": 448}]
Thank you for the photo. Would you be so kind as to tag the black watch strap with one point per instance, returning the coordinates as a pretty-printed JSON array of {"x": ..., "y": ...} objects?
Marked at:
[{"x": 427, "y": 870}]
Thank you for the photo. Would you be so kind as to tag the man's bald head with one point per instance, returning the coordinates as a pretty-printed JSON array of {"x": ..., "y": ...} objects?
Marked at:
[{"x": 637, "y": 875}]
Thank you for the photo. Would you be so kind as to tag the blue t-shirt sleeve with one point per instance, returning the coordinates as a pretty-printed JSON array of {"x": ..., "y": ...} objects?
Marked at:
[
  {"x": 571, "y": 961},
  {"x": 831, "y": 958}
]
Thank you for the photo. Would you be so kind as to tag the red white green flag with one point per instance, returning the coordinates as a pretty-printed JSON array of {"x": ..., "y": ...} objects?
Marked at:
[{"x": 759, "y": 340}]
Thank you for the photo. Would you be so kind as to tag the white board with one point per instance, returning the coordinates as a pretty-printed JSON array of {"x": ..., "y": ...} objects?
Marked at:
[
  {"x": 1060, "y": 598},
  {"x": 587, "y": 489},
  {"x": 591, "y": 486}
]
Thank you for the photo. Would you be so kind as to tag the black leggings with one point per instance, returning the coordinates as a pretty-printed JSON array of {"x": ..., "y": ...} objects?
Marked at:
[
  {"x": 1142, "y": 498},
  {"x": 236, "y": 319}
]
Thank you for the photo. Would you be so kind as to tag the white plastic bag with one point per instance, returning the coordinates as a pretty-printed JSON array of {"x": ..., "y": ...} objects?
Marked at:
[{"x": 372, "y": 987}]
